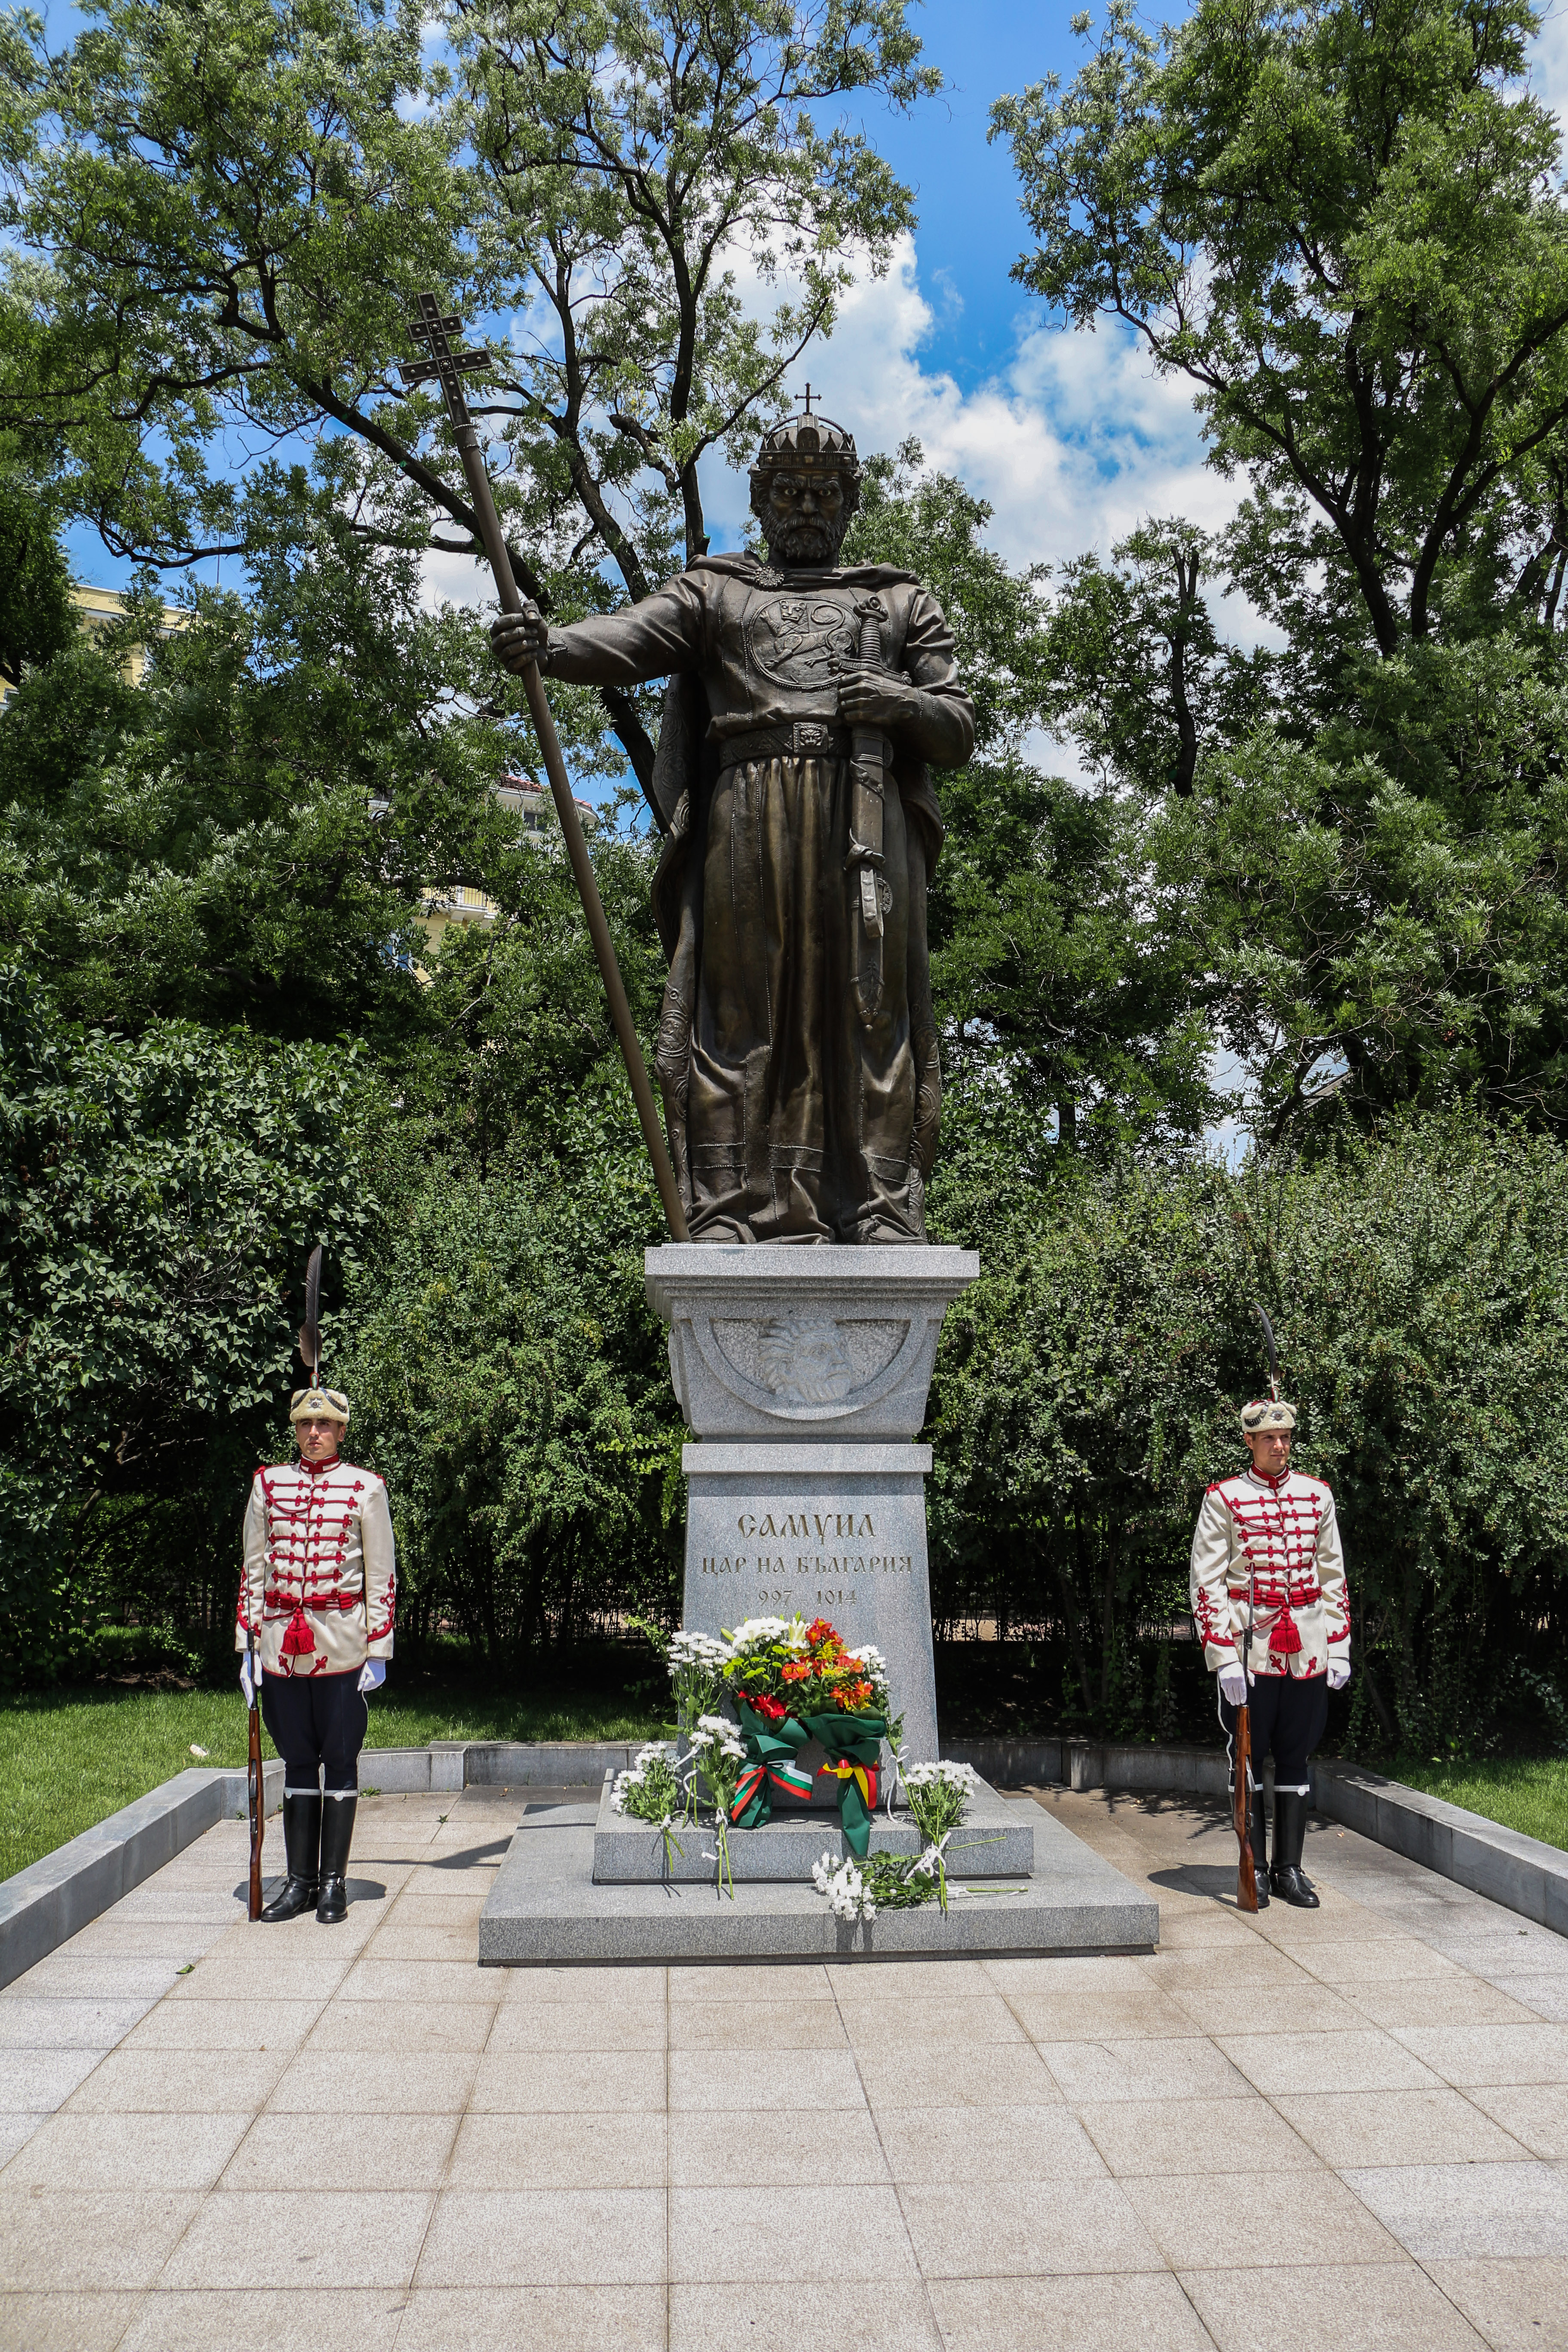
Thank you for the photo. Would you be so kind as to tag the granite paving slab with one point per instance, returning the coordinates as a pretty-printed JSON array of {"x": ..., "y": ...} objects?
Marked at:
[{"x": 562, "y": 2156}]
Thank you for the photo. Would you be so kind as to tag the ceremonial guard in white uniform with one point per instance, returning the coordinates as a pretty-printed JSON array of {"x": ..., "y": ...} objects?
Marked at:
[
  {"x": 1272, "y": 1611},
  {"x": 317, "y": 1601}
]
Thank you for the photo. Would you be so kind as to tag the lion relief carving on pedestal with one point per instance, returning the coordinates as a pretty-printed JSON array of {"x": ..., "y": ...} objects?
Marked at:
[{"x": 802, "y": 1359}]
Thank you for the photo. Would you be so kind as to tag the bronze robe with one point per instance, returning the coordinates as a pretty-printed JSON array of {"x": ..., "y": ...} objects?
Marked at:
[{"x": 791, "y": 1117}]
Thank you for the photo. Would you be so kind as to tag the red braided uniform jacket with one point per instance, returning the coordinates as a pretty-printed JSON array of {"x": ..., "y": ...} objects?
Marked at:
[
  {"x": 319, "y": 1581},
  {"x": 1281, "y": 1533}
]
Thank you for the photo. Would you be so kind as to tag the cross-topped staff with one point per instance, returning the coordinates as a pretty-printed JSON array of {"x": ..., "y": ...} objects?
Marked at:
[{"x": 448, "y": 367}]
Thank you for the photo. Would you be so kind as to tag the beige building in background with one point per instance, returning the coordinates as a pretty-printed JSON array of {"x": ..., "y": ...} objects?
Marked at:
[
  {"x": 99, "y": 609},
  {"x": 102, "y": 607},
  {"x": 533, "y": 804}
]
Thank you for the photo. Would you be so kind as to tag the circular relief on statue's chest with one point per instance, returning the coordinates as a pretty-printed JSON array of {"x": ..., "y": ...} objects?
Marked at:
[{"x": 800, "y": 642}]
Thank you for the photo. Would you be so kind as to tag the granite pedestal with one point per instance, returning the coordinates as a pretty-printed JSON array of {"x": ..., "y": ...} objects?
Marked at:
[
  {"x": 545, "y": 1909},
  {"x": 805, "y": 1373}
]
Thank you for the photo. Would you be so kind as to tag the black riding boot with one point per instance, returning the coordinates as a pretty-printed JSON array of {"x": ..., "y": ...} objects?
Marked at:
[
  {"x": 1260, "y": 1847},
  {"x": 1290, "y": 1835},
  {"x": 302, "y": 1845},
  {"x": 337, "y": 1836}
]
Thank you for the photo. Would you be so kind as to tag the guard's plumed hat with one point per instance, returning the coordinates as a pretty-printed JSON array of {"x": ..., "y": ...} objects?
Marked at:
[
  {"x": 1267, "y": 1413},
  {"x": 319, "y": 1404}
]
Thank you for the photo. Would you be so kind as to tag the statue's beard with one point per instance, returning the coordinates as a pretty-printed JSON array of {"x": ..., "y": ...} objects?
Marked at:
[{"x": 805, "y": 546}]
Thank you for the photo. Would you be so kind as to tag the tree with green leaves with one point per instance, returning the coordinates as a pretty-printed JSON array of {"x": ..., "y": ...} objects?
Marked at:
[
  {"x": 1064, "y": 967},
  {"x": 1087, "y": 1390},
  {"x": 637, "y": 155},
  {"x": 37, "y": 618},
  {"x": 1341, "y": 225},
  {"x": 1339, "y": 222},
  {"x": 157, "y": 1199},
  {"x": 1138, "y": 673},
  {"x": 512, "y": 1383},
  {"x": 223, "y": 213},
  {"x": 251, "y": 834}
]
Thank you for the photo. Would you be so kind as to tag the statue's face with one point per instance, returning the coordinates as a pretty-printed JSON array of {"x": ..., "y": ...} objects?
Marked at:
[{"x": 803, "y": 519}]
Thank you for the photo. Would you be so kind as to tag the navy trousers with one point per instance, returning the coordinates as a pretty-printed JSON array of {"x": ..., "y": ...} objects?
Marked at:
[
  {"x": 1287, "y": 1720},
  {"x": 317, "y": 1723}
]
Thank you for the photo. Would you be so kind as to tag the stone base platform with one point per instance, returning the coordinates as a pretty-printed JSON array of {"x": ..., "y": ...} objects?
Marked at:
[
  {"x": 544, "y": 1907},
  {"x": 997, "y": 1841}
]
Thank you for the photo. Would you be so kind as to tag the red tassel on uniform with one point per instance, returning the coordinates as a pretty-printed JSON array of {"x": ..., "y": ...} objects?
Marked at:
[
  {"x": 299, "y": 1640},
  {"x": 1284, "y": 1641}
]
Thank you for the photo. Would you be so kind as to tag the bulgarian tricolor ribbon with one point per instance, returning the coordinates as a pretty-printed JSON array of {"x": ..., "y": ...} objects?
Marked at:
[
  {"x": 852, "y": 1750},
  {"x": 771, "y": 1750}
]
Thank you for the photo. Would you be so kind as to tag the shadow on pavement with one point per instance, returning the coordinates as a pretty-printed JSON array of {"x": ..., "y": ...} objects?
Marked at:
[
  {"x": 361, "y": 1890},
  {"x": 1210, "y": 1880}
]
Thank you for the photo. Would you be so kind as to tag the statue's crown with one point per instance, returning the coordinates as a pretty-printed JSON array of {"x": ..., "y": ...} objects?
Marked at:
[{"x": 812, "y": 444}]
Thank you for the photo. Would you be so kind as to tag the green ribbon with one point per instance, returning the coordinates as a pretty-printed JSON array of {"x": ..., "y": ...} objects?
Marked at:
[{"x": 853, "y": 1742}]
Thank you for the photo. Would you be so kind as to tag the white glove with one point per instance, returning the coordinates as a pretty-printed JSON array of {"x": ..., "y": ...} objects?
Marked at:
[
  {"x": 1339, "y": 1673},
  {"x": 372, "y": 1674},
  {"x": 245, "y": 1682},
  {"x": 1233, "y": 1684}
]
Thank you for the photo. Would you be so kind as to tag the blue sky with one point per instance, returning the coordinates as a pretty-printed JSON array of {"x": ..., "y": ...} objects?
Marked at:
[
  {"x": 971, "y": 230},
  {"x": 1068, "y": 435}
]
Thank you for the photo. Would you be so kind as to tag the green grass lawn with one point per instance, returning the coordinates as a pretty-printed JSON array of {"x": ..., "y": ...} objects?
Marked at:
[
  {"x": 1525, "y": 1793},
  {"x": 69, "y": 1758}
]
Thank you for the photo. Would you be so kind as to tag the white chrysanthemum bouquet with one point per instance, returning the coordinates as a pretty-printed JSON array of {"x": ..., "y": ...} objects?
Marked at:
[
  {"x": 651, "y": 1792},
  {"x": 939, "y": 1797}
]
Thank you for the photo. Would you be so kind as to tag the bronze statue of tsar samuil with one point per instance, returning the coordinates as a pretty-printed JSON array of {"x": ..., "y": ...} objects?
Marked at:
[{"x": 797, "y": 1049}]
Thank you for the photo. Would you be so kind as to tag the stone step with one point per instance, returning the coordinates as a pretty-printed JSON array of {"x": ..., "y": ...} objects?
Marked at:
[{"x": 996, "y": 1841}]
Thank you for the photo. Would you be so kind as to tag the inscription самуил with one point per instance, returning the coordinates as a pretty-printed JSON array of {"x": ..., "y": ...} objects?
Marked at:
[{"x": 806, "y": 1524}]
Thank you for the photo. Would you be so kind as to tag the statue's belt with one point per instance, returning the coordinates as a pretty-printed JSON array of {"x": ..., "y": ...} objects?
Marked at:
[{"x": 802, "y": 739}]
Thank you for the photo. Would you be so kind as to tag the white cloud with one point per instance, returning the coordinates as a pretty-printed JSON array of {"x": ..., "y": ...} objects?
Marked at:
[
  {"x": 456, "y": 580},
  {"x": 1076, "y": 441},
  {"x": 1073, "y": 444},
  {"x": 1549, "y": 60}
]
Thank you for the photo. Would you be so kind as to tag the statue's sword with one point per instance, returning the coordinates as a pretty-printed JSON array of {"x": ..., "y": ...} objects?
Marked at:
[
  {"x": 449, "y": 367},
  {"x": 866, "y": 756}
]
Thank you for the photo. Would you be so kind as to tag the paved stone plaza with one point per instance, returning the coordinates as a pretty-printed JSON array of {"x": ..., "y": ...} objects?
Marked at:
[{"x": 1346, "y": 2129}]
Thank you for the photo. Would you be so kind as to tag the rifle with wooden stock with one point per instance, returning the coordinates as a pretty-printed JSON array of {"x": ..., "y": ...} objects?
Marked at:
[
  {"x": 1241, "y": 1803},
  {"x": 1241, "y": 1790},
  {"x": 255, "y": 1781}
]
